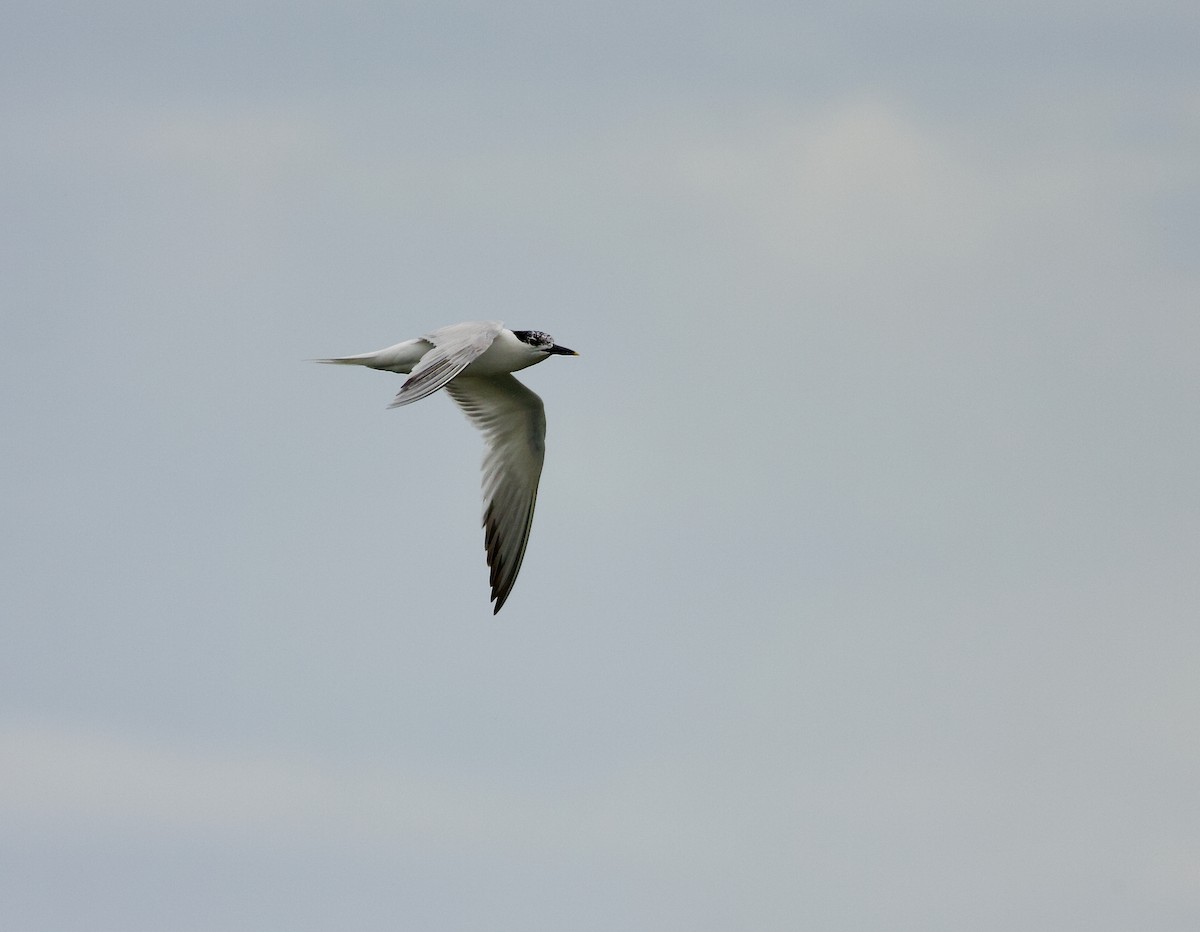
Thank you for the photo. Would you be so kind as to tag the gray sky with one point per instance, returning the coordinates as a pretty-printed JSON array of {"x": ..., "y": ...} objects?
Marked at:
[{"x": 863, "y": 590}]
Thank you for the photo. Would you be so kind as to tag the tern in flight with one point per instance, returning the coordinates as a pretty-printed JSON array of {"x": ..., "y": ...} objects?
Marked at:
[{"x": 474, "y": 362}]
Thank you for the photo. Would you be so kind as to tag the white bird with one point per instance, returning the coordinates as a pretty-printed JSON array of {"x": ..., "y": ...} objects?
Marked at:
[{"x": 474, "y": 362}]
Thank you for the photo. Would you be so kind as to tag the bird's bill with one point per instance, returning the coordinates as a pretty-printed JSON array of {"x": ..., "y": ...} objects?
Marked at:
[{"x": 561, "y": 351}]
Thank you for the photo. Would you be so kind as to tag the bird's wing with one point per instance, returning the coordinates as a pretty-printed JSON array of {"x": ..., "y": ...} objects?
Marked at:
[
  {"x": 454, "y": 348},
  {"x": 513, "y": 421}
]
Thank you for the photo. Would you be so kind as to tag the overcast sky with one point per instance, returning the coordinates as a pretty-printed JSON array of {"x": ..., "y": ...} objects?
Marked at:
[{"x": 863, "y": 590}]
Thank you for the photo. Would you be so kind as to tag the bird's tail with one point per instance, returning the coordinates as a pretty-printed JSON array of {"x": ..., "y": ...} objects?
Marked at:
[
  {"x": 399, "y": 358},
  {"x": 362, "y": 359}
]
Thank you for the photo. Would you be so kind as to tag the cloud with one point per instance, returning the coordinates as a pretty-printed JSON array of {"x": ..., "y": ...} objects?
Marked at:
[{"x": 80, "y": 779}]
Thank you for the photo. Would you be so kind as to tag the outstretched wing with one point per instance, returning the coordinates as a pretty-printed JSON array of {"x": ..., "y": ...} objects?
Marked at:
[
  {"x": 454, "y": 348},
  {"x": 513, "y": 421}
]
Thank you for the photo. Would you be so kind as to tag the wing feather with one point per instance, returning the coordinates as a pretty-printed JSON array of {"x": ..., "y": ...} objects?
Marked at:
[
  {"x": 454, "y": 348},
  {"x": 513, "y": 421}
]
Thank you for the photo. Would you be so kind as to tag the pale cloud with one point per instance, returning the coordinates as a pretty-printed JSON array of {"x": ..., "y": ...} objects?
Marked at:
[
  {"x": 60, "y": 775},
  {"x": 249, "y": 142},
  {"x": 57, "y": 774},
  {"x": 648, "y": 817}
]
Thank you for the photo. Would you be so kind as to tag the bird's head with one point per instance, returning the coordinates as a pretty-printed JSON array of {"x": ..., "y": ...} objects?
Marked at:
[{"x": 540, "y": 340}]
